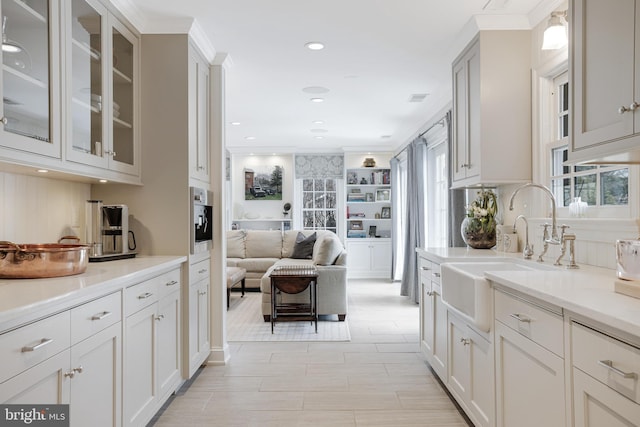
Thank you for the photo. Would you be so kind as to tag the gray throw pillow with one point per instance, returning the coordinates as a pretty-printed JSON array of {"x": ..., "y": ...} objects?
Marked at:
[{"x": 303, "y": 249}]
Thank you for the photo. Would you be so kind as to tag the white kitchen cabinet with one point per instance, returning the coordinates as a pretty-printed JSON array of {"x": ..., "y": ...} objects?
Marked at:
[
  {"x": 29, "y": 82},
  {"x": 197, "y": 346},
  {"x": 152, "y": 353},
  {"x": 527, "y": 371},
  {"x": 199, "y": 99},
  {"x": 606, "y": 383},
  {"x": 433, "y": 318},
  {"x": 605, "y": 80},
  {"x": 471, "y": 371},
  {"x": 369, "y": 258},
  {"x": 492, "y": 110},
  {"x": 100, "y": 89}
]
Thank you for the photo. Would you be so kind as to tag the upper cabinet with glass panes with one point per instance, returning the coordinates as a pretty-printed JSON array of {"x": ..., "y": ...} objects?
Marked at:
[
  {"x": 605, "y": 79},
  {"x": 30, "y": 72}
]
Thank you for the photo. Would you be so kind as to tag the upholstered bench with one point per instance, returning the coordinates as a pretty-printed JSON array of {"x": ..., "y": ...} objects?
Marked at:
[{"x": 235, "y": 276}]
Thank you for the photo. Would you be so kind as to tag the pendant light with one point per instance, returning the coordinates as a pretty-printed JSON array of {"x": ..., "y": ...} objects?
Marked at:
[
  {"x": 8, "y": 46},
  {"x": 555, "y": 36}
]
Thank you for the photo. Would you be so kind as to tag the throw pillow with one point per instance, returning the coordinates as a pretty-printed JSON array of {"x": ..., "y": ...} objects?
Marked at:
[
  {"x": 303, "y": 249},
  {"x": 329, "y": 249}
]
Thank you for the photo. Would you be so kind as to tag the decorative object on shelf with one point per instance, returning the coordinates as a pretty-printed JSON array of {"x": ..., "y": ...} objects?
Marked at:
[
  {"x": 285, "y": 209},
  {"x": 478, "y": 229},
  {"x": 369, "y": 162},
  {"x": 385, "y": 213},
  {"x": 578, "y": 208},
  {"x": 369, "y": 197},
  {"x": 355, "y": 225},
  {"x": 383, "y": 195},
  {"x": 352, "y": 178},
  {"x": 377, "y": 215},
  {"x": 372, "y": 231},
  {"x": 363, "y": 181}
]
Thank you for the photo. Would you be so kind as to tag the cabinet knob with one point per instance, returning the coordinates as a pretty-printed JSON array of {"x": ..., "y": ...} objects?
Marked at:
[
  {"x": 78, "y": 370},
  {"x": 430, "y": 293},
  {"x": 160, "y": 317},
  {"x": 464, "y": 165},
  {"x": 623, "y": 109},
  {"x": 465, "y": 341},
  {"x": 4, "y": 121},
  {"x": 110, "y": 152},
  {"x": 633, "y": 106}
]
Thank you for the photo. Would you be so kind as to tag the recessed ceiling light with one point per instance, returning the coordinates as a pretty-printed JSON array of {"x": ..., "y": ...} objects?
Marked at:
[
  {"x": 103, "y": 181},
  {"x": 42, "y": 170},
  {"x": 318, "y": 122},
  {"x": 315, "y": 89},
  {"x": 314, "y": 46},
  {"x": 319, "y": 137},
  {"x": 235, "y": 123},
  {"x": 385, "y": 136},
  {"x": 317, "y": 100},
  {"x": 249, "y": 138},
  {"x": 319, "y": 130}
]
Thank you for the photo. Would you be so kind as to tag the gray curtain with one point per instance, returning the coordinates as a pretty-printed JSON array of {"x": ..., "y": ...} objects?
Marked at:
[
  {"x": 395, "y": 219},
  {"x": 456, "y": 197},
  {"x": 415, "y": 229}
]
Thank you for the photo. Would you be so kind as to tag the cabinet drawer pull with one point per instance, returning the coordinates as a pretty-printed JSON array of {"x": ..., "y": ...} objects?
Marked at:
[
  {"x": 426, "y": 268},
  {"x": 609, "y": 365},
  {"x": 204, "y": 270},
  {"x": 4, "y": 121},
  {"x": 465, "y": 341},
  {"x": 160, "y": 317},
  {"x": 42, "y": 343},
  {"x": 430, "y": 293},
  {"x": 202, "y": 293},
  {"x": 436, "y": 274},
  {"x": 172, "y": 283},
  {"x": 520, "y": 318},
  {"x": 70, "y": 374},
  {"x": 145, "y": 295},
  {"x": 101, "y": 316}
]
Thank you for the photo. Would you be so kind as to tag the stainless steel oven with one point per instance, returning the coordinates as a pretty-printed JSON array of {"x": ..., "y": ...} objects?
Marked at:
[{"x": 201, "y": 220}]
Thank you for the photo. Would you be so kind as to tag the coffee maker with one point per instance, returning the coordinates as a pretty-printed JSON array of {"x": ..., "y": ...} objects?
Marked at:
[{"x": 108, "y": 231}]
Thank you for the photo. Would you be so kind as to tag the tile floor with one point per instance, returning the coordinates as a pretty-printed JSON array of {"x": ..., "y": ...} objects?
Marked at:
[{"x": 378, "y": 379}]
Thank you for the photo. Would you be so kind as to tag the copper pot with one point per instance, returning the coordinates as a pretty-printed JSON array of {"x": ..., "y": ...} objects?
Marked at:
[{"x": 35, "y": 261}]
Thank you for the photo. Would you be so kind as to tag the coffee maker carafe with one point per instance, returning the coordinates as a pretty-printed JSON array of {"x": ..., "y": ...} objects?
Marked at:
[{"x": 115, "y": 229}]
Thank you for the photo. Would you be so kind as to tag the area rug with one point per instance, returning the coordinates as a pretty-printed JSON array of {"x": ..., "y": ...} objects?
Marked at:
[{"x": 245, "y": 323}]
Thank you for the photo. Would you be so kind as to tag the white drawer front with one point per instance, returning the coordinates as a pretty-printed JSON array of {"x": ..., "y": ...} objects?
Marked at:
[
  {"x": 29, "y": 345},
  {"x": 169, "y": 282},
  {"x": 94, "y": 316},
  {"x": 425, "y": 268},
  {"x": 199, "y": 270},
  {"x": 535, "y": 323},
  {"x": 140, "y": 296},
  {"x": 610, "y": 361}
]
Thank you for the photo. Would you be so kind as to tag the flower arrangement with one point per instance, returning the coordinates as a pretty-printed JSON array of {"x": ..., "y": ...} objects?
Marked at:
[{"x": 479, "y": 227}]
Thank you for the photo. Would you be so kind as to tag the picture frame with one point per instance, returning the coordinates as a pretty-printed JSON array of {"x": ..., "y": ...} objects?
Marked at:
[
  {"x": 372, "y": 230},
  {"x": 383, "y": 195},
  {"x": 385, "y": 213},
  {"x": 355, "y": 225},
  {"x": 263, "y": 182},
  {"x": 369, "y": 197}
]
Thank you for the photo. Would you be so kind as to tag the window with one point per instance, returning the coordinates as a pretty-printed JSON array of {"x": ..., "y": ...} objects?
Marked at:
[
  {"x": 319, "y": 204},
  {"x": 600, "y": 186}
]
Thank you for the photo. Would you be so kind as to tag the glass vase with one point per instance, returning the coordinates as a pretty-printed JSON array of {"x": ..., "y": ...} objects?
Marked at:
[{"x": 479, "y": 233}]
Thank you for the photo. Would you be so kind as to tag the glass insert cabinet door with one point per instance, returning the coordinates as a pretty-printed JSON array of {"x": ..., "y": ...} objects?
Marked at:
[
  {"x": 29, "y": 65},
  {"x": 86, "y": 95}
]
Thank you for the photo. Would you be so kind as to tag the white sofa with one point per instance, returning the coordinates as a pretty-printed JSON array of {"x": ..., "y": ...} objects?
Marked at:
[{"x": 259, "y": 251}]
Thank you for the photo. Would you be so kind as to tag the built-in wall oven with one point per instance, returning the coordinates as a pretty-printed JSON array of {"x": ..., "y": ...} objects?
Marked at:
[{"x": 201, "y": 220}]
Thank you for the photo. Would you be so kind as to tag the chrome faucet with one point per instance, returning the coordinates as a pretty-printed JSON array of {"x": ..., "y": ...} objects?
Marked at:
[
  {"x": 554, "y": 239},
  {"x": 527, "y": 252}
]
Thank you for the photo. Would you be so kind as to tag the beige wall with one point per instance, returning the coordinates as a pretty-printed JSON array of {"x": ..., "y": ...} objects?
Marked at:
[{"x": 40, "y": 210}]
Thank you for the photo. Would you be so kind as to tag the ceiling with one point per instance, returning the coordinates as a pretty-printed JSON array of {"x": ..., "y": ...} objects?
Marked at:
[{"x": 377, "y": 55}]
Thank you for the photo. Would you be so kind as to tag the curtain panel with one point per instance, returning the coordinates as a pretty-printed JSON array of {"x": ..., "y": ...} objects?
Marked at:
[
  {"x": 396, "y": 250},
  {"x": 415, "y": 224},
  {"x": 319, "y": 166}
]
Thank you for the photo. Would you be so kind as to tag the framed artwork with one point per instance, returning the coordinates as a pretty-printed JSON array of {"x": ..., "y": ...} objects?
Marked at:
[
  {"x": 369, "y": 197},
  {"x": 372, "y": 231},
  {"x": 386, "y": 212},
  {"x": 355, "y": 225},
  {"x": 263, "y": 183},
  {"x": 383, "y": 195}
]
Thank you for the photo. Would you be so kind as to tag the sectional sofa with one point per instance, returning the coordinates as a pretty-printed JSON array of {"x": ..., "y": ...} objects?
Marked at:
[{"x": 259, "y": 251}]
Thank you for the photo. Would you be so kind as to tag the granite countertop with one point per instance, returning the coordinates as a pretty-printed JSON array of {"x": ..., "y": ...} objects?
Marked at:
[
  {"x": 22, "y": 300},
  {"x": 587, "y": 291}
]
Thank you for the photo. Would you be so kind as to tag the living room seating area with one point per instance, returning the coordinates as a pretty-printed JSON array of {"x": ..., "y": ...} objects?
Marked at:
[{"x": 259, "y": 251}]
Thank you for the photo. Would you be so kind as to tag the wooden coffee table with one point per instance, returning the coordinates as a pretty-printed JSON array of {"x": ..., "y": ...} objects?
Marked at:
[{"x": 293, "y": 280}]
